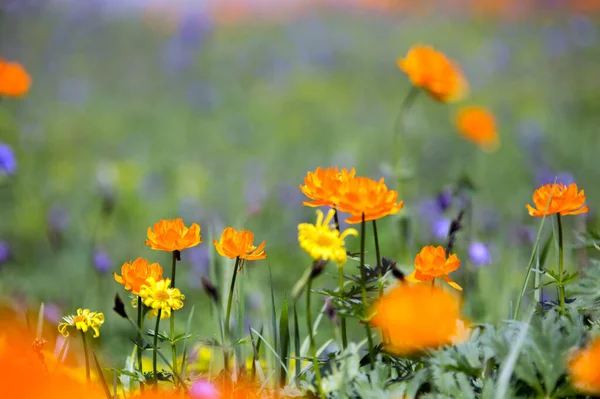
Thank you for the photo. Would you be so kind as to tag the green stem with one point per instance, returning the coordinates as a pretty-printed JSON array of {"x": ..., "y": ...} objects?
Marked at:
[
  {"x": 155, "y": 353},
  {"x": 397, "y": 145},
  {"x": 139, "y": 338},
  {"x": 378, "y": 253},
  {"x": 363, "y": 276},
  {"x": 336, "y": 219},
  {"x": 87, "y": 358},
  {"x": 342, "y": 318},
  {"x": 312, "y": 340},
  {"x": 228, "y": 312},
  {"x": 172, "y": 320},
  {"x": 561, "y": 266}
]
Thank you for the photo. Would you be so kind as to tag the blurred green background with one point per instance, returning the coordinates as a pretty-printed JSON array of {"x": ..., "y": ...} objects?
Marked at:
[{"x": 135, "y": 117}]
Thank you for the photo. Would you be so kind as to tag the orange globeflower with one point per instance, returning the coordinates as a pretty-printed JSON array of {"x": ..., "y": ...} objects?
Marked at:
[
  {"x": 323, "y": 186},
  {"x": 434, "y": 72},
  {"x": 364, "y": 195},
  {"x": 565, "y": 200},
  {"x": 14, "y": 80},
  {"x": 583, "y": 368},
  {"x": 233, "y": 244},
  {"x": 414, "y": 318},
  {"x": 134, "y": 274},
  {"x": 478, "y": 125},
  {"x": 431, "y": 262},
  {"x": 172, "y": 235}
]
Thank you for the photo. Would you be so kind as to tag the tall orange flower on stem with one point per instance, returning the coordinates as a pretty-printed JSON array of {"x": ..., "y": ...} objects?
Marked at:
[
  {"x": 238, "y": 245},
  {"x": 173, "y": 236},
  {"x": 478, "y": 125},
  {"x": 583, "y": 368},
  {"x": 432, "y": 262},
  {"x": 556, "y": 198},
  {"x": 415, "y": 318},
  {"x": 560, "y": 200},
  {"x": 324, "y": 185},
  {"x": 14, "y": 79},
  {"x": 364, "y": 196},
  {"x": 431, "y": 70}
]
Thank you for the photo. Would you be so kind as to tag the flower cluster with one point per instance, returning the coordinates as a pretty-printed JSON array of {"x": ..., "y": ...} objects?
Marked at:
[{"x": 135, "y": 274}]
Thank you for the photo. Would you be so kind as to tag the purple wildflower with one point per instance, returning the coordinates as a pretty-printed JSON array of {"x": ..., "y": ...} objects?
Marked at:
[
  {"x": 5, "y": 252},
  {"x": 444, "y": 199},
  {"x": 102, "y": 261},
  {"x": 582, "y": 31},
  {"x": 480, "y": 254},
  {"x": 440, "y": 228},
  {"x": 58, "y": 218},
  {"x": 8, "y": 162},
  {"x": 203, "y": 389}
]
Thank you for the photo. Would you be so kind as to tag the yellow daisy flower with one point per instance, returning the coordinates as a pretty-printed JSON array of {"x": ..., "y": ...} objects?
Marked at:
[
  {"x": 158, "y": 295},
  {"x": 82, "y": 321}
]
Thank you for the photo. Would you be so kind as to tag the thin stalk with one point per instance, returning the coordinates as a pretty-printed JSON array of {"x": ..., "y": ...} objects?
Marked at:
[
  {"x": 228, "y": 312},
  {"x": 172, "y": 320},
  {"x": 561, "y": 266},
  {"x": 363, "y": 276},
  {"x": 313, "y": 347},
  {"x": 378, "y": 253},
  {"x": 397, "y": 147},
  {"x": 336, "y": 219},
  {"x": 155, "y": 353},
  {"x": 139, "y": 338},
  {"x": 342, "y": 318},
  {"x": 87, "y": 358}
]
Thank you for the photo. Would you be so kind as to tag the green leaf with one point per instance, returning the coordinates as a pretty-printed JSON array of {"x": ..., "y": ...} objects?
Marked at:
[
  {"x": 284, "y": 341},
  {"x": 273, "y": 310},
  {"x": 296, "y": 340},
  {"x": 187, "y": 335}
]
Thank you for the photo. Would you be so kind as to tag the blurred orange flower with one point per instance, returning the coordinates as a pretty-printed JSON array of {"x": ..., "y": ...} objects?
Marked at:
[
  {"x": 583, "y": 368},
  {"x": 478, "y": 125},
  {"x": 323, "y": 185},
  {"x": 173, "y": 235},
  {"x": 565, "y": 200},
  {"x": 431, "y": 262},
  {"x": 414, "y": 318},
  {"x": 364, "y": 195},
  {"x": 14, "y": 80},
  {"x": 134, "y": 274},
  {"x": 27, "y": 372},
  {"x": 431, "y": 70},
  {"x": 233, "y": 244}
]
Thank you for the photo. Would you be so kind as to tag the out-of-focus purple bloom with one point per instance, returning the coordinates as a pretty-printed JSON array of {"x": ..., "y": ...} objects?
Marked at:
[
  {"x": 501, "y": 55},
  {"x": 444, "y": 199},
  {"x": 583, "y": 31},
  {"x": 255, "y": 301},
  {"x": 58, "y": 218},
  {"x": 202, "y": 95},
  {"x": 52, "y": 313},
  {"x": 555, "y": 41},
  {"x": 8, "y": 161},
  {"x": 194, "y": 28},
  {"x": 545, "y": 176},
  {"x": 480, "y": 254},
  {"x": 102, "y": 261},
  {"x": 199, "y": 258},
  {"x": 440, "y": 228},
  {"x": 176, "y": 57},
  {"x": 203, "y": 389},
  {"x": 290, "y": 196},
  {"x": 522, "y": 235},
  {"x": 489, "y": 220},
  {"x": 5, "y": 252},
  {"x": 531, "y": 138},
  {"x": 429, "y": 210}
]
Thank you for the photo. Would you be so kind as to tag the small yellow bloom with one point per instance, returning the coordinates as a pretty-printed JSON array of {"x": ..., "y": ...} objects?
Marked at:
[
  {"x": 323, "y": 241},
  {"x": 249, "y": 361},
  {"x": 158, "y": 295},
  {"x": 82, "y": 321}
]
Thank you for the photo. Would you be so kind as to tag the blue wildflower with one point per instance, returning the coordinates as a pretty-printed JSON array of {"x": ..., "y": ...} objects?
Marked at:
[
  {"x": 440, "y": 228},
  {"x": 8, "y": 162},
  {"x": 480, "y": 254},
  {"x": 102, "y": 261},
  {"x": 5, "y": 252}
]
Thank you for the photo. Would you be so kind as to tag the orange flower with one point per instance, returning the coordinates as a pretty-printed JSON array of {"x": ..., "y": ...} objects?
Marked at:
[
  {"x": 431, "y": 262},
  {"x": 134, "y": 274},
  {"x": 434, "y": 72},
  {"x": 364, "y": 195},
  {"x": 14, "y": 80},
  {"x": 478, "y": 125},
  {"x": 172, "y": 235},
  {"x": 233, "y": 244},
  {"x": 565, "y": 200},
  {"x": 583, "y": 368},
  {"x": 414, "y": 318},
  {"x": 323, "y": 185}
]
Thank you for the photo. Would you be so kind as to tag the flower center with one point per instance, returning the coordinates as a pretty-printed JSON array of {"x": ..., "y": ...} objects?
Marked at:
[
  {"x": 162, "y": 296},
  {"x": 325, "y": 240},
  {"x": 79, "y": 319}
]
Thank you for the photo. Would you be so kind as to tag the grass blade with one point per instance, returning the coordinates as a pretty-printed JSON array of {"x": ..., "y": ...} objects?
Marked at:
[
  {"x": 273, "y": 351},
  {"x": 40, "y": 322},
  {"x": 273, "y": 310},
  {"x": 101, "y": 375},
  {"x": 284, "y": 335},
  {"x": 187, "y": 332},
  {"x": 296, "y": 342}
]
